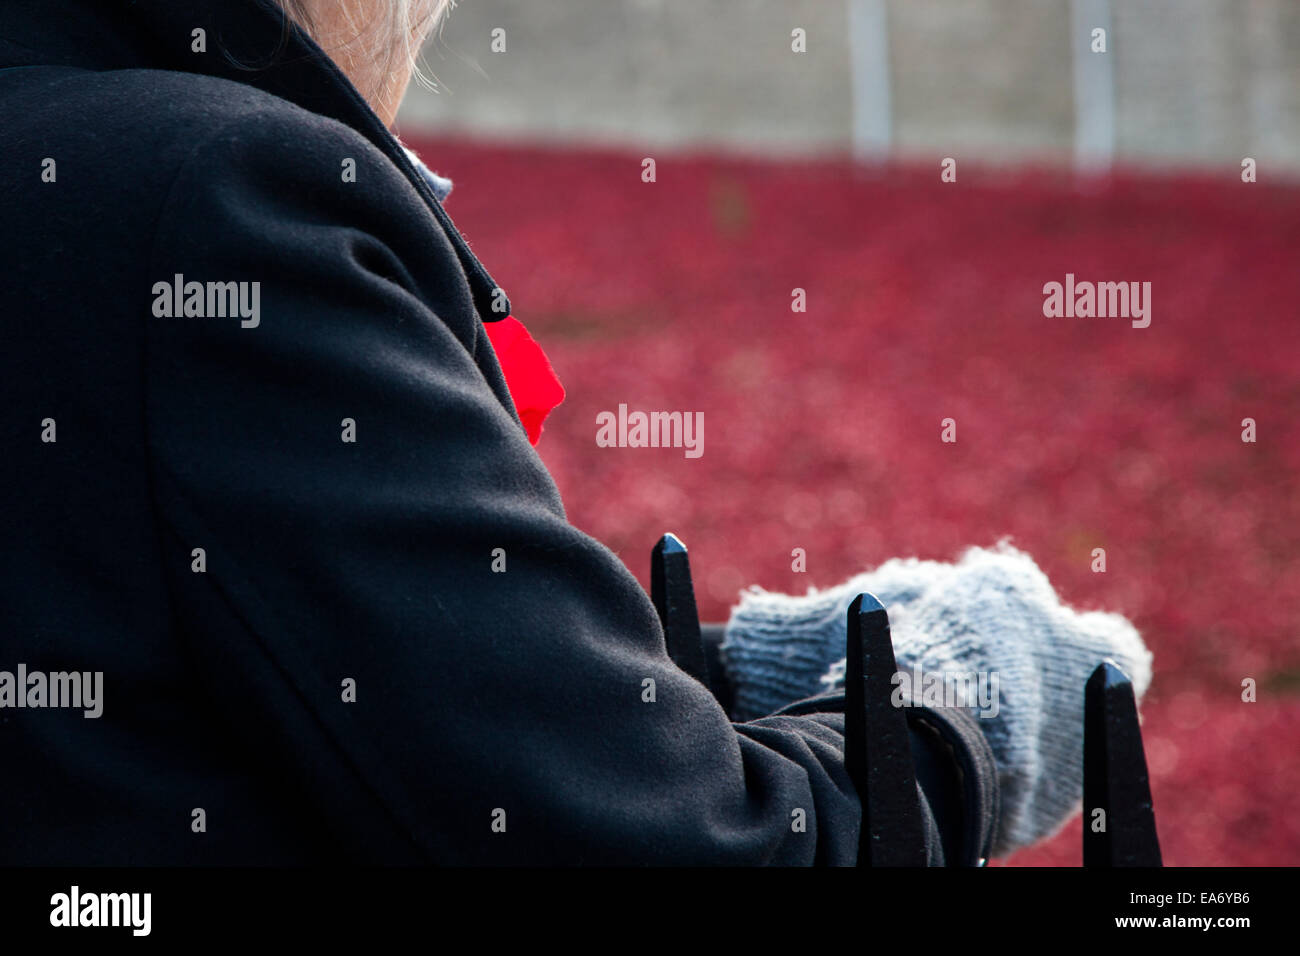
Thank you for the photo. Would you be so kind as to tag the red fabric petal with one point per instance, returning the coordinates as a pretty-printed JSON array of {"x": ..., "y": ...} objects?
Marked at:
[{"x": 532, "y": 382}]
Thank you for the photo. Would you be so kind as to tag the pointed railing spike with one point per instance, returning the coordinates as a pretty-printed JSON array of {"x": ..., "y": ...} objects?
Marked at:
[
  {"x": 673, "y": 597},
  {"x": 877, "y": 747},
  {"x": 1115, "y": 776}
]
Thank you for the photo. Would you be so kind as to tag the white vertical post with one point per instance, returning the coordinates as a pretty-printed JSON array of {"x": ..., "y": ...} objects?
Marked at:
[
  {"x": 1094, "y": 86},
  {"x": 869, "y": 60}
]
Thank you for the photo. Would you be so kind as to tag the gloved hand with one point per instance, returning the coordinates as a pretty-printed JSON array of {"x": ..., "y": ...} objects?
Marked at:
[{"x": 992, "y": 613}]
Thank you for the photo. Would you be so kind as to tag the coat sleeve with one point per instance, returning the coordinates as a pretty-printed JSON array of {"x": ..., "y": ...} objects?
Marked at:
[{"x": 351, "y": 477}]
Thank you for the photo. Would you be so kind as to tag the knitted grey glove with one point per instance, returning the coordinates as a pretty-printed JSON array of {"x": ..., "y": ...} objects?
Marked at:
[{"x": 992, "y": 613}]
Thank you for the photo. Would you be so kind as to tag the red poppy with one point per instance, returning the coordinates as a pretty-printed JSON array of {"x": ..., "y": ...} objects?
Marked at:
[{"x": 532, "y": 382}]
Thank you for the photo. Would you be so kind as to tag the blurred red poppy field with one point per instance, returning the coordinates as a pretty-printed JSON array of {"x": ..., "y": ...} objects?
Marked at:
[{"x": 924, "y": 302}]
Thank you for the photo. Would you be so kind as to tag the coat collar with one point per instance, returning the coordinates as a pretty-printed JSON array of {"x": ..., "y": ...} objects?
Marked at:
[{"x": 249, "y": 41}]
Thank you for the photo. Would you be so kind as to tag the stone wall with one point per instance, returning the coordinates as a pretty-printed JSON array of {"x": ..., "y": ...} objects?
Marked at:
[{"x": 1195, "y": 82}]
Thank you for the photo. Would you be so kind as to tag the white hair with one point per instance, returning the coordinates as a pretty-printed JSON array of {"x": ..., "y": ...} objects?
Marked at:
[{"x": 389, "y": 40}]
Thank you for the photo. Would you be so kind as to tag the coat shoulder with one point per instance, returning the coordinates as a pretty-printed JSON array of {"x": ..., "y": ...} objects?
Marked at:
[
  {"x": 119, "y": 148},
  {"x": 156, "y": 118}
]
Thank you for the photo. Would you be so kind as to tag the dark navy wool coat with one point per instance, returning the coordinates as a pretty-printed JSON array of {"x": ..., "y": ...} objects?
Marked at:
[{"x": 182, "y": 514}]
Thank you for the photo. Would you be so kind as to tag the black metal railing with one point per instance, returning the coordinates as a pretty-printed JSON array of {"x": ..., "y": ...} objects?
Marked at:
[{"x": 1119, "y": 827}]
